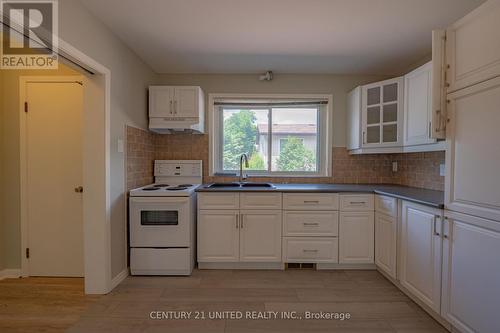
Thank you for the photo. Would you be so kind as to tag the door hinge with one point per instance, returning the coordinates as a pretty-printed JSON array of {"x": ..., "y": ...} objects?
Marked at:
[
  {"x": 26, "y": 107},
  {"x": 27, "y": 253}
]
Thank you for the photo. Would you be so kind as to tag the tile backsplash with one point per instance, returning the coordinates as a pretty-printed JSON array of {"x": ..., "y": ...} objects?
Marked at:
[{"x": 414, "y": 169}]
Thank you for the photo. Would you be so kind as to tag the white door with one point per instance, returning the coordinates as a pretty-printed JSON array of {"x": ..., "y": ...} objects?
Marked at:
[
  {"x": 161, "y": 101},
  {"x": 356, "y": 238},
  {"x": 471, "y": 273},
  {"x": 418, "y": 106},
  {"x": 473, "y": 47},
  {"x": 186, "y": 101},
  {"x": 382, "y": 113},
  {"x": 218, "y": 235},
  {"x": 53, "y": 175},
  {"x": 385, "y": 243},
  {"x": 260, "y": 235},
  {"x": 421, "y": 252},
  {"x": 473, "y": 155}
]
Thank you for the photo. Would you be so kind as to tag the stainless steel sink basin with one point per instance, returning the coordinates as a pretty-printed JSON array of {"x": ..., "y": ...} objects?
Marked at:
[
  {"x": 266, "y": 185},
  {"x": 214, "y": 185}
]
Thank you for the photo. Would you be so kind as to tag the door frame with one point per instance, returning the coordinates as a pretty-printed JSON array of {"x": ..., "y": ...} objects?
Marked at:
[{"x": 96, "y": 170}]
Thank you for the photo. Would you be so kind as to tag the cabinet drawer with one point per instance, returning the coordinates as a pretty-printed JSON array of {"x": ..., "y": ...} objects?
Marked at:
[
  {"x": 386, "y": 205},
  {"x": 311, "y": 201},
  {"x": 356, "y": 202},
  {"x": 303, "y": 223},
  {"x": 218, "y": 201},
  {"x": 310, "y": 250},
  {"x": 260, "y": 200}
]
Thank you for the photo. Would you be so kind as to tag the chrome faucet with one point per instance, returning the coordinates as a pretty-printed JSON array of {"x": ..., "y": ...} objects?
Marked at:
[{"x": 243, "y": 157}]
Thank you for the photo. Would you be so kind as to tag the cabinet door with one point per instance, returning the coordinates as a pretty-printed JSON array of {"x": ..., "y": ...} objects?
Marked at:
[
  {"x": 382, "y": 113},
  {"x": 218, "y": 235},
  {"x": 473, "y": 156},
  {"x": 356, "y": 238},
  {"x": 471, "y": 273},
  {"x": 438, "y": 120},
  {"x": 421, "y": 253},
  {"x": 260, "y": 235},
  {"x": 353, "y": 138},
  {"x": 385, "y": 243},
  {"x": 418, "y": 106},
  {"x": 473, "y": 47},
  {"x": 186, "y": 101},
  {"x": 161, "y": 101}
]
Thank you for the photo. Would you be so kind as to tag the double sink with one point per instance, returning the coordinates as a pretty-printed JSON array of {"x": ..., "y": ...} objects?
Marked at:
[{"x": 243, "y": 184}]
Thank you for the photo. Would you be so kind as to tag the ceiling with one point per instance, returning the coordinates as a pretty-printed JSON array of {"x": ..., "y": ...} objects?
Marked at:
[{"x": 286, "y": 36}]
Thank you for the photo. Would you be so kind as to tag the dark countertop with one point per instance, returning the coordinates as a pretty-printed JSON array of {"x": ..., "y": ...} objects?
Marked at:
[{"x": 423, "y": 196}]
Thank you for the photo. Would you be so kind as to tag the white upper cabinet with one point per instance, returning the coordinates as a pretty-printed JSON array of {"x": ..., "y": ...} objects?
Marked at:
[
  {"x": 473, "y": 156},
  {"x": 161, "y": 101},
  {"x": 471, "y": 273},
  {"x": 382, "y": 113},
  {"x": 175, "y": 109},
  {"x": 438, "y": 91},
  {"x": 175, "y": 102},
  {"x": 353, "y": 139},
  {"x": 473, "y": 47},
  {"x": 418, "y": 106}
]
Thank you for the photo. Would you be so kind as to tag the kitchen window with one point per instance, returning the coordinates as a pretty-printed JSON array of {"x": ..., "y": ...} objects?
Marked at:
[{"x": 282, "y": 137}]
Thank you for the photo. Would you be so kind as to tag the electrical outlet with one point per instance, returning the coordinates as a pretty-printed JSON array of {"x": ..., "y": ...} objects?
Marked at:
[
  {"x": 442, "y": 169},
  {"x": 394, "y": 166}
]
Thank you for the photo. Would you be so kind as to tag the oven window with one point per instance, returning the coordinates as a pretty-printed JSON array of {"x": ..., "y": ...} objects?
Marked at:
[{"x": 159, "y": 217}]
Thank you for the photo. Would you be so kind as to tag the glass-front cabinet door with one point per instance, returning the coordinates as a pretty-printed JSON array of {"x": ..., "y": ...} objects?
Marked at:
[{"x": 382, "y": 113}]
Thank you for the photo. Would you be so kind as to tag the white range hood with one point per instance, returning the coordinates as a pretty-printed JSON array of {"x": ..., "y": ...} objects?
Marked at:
[{"x": 176, "y": 109}]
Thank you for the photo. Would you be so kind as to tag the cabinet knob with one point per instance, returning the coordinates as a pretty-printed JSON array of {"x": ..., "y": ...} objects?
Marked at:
[{"x": 79, "y": 189}]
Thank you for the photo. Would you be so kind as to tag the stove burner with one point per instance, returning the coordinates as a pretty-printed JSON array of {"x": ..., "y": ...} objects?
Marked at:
[
  {"x": 161, "y": 185},
  {"x": 177, "y": 188},
  {"x": 150, "y": 189},
  {"x": 185, "y": 185}
]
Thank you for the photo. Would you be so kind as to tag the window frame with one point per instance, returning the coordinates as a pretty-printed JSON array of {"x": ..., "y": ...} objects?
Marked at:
[{"x": 324, "y": 146}]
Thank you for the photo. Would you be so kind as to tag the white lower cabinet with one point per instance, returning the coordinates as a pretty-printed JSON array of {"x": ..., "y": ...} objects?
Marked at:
[
  {"x": 218, "y": 236},
  {"x": 385, "y": 243},
  {"x": 260, "y": 235},
  {"x": 356, "y": 238},
  {"x": 421, "y": 248},
  {"x": 471, "y": 273},
  {"x": 239, "y": 235},
  {"x": 310, "y": 249}
]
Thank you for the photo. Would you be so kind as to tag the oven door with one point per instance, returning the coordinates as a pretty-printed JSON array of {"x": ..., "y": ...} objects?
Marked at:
[{"x": 160, "y": 221}]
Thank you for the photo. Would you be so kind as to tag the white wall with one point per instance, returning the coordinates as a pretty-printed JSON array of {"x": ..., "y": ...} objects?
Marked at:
[
  {"x": 130, "y": 78},
  {"x": 337, "y": 85}
]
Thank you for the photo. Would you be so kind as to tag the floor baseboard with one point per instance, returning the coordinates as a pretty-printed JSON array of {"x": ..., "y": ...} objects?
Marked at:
[
  {"x": 10, "y": 273},
  {"x": 119, "y": 278}
]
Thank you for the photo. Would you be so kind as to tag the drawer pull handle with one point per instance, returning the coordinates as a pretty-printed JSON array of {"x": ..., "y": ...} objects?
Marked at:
[
  {"x": 358, "y": 202},
  {"x": 311, "y": 223},
  {"x": 311, "y": 201},
  {"x": 306, "y": 251}
]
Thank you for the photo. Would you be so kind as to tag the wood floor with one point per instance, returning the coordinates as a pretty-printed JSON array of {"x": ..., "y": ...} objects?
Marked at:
[
  {"x": 373, "y": 303},
  {"x": 42, "y": 304}
]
